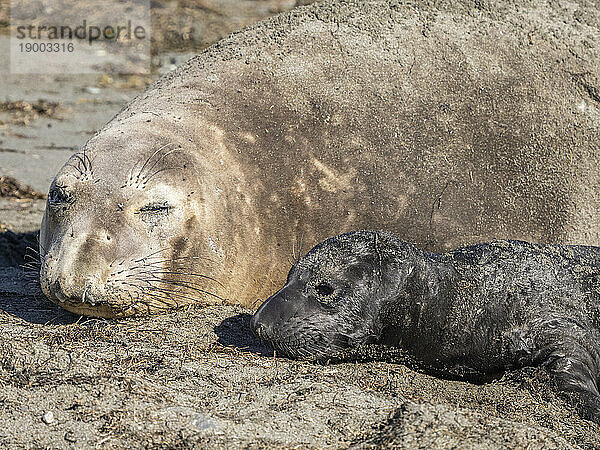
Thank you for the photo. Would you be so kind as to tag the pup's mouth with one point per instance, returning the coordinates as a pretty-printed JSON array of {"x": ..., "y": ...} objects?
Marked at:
[{"x": 308, "y": 345}]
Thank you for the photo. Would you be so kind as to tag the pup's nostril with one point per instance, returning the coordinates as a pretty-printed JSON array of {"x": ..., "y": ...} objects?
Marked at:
[
  {"x": 260, "y": 331},
  {"x": 257, "y": 327}
]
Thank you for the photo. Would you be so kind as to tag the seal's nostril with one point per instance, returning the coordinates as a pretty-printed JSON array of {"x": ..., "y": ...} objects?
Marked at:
[
  {"x": 257, "y": 327},
  {"x": 57, "y": 290}
]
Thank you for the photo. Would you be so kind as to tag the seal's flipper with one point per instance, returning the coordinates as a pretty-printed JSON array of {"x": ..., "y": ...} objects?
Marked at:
[{"x": 575, "y": 372}]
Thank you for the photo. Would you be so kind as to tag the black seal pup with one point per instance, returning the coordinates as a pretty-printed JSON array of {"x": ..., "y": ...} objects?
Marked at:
[{"x": 468, "y": 313}]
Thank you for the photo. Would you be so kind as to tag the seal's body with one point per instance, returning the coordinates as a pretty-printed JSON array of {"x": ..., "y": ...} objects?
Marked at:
[
  {"x": 469, "y": 313},
  {"x": 425, "y": 121}
]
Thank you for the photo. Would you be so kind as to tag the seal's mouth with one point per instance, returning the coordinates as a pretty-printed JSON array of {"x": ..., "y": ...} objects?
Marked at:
[
  {"x": 315, "y": 347},
  {"x": 90, "y": 295},
  {"x": 130, "y": 286},
  {"x": 91, "y": 301}
]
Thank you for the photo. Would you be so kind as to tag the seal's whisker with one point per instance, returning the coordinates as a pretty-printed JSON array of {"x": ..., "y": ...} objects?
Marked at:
[
  {"x": 148, "y": 293},
  {"x": 152, "y": 156},
  {"x": 136, "y": 270},
  {"x": 191, "y": 274},
  {"x": 76, "y": 168},
  {"x": 30, "y": 277},
  {"x": 168, "y": 294},
  {"x": 30, "y": 272},
  {"x": 159, "y": 171},
  {"x": 148, "y": 281},
  {"x": 182, "y": 258},
  {"x": 85, "y": 167},
  {"x": 86, "y": 157},
  {"x": 293, "y": 252},
  {"x": 42, "y": 248},
  {"x": 32, "y": 260},
  {"x": 297, "y": 249},
  {"x": 161, "y": 299},
  {"x": 151, "y": 278},
  {"x": 183, "y": 285},
  {"x": 151, "y": 265},
  {"x": 136, "y": 286},
  {"x": 160, "y": 159},
  {"x": 300, "y": 247},
  {"x": 31, "y": 249},
  {"x": 150, "y": 255}
]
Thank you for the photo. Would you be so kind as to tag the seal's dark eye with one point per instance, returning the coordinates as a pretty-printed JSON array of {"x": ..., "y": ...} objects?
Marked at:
[
  {"x": 324, "y": 289},
  {"x": 58, "y": 196}
]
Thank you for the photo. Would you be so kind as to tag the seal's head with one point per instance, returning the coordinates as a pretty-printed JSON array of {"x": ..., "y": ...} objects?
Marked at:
[
  {"x": 124, "y": 226},
  {"x": 333, "y": 296}
]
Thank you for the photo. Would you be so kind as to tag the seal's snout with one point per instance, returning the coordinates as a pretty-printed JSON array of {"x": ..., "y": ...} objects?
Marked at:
[
  {"x": 70, "y": 288},
  {"x": 271, "y": 315}
]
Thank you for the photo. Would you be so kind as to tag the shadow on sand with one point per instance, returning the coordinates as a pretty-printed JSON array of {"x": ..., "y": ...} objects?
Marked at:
[
  {"x": 235, "y": 332},
  {"x": 20, "y": 294}
]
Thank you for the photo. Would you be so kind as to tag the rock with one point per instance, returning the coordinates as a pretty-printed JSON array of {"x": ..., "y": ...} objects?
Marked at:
[
  {"x": 48, "y": 418},
  {"x": 92, "y": 90},
  {"x": 70, "y": 437}
]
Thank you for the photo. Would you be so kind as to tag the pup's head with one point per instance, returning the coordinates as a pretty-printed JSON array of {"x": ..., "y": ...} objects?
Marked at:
[{"x": 332, "y": 298}]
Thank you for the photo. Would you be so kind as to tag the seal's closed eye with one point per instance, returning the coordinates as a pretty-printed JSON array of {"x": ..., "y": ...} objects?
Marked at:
[
  {"x": 153, "y": 208},
  {"x": 155, "y": 213}
]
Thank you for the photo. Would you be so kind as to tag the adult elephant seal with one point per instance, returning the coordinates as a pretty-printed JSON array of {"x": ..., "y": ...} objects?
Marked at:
[
  {"x": 469, "y": 313},
  {"x": 443, "y": 124}
]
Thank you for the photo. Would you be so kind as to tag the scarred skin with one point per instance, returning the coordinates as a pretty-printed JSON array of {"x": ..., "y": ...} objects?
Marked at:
[{"x": 468, "y": 313}]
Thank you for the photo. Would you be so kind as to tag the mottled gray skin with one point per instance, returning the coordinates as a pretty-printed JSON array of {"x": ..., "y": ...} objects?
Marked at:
[
  {"x": 446, "y": 123},
  {"x": 468, "y": 313}
]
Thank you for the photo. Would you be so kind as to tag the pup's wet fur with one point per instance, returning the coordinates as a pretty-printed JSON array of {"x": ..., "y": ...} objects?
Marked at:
[{"x": 468, "y": 313}]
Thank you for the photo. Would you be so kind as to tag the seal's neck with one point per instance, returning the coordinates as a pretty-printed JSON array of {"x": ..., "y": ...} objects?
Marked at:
[{"x": 415, "y": 313}]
